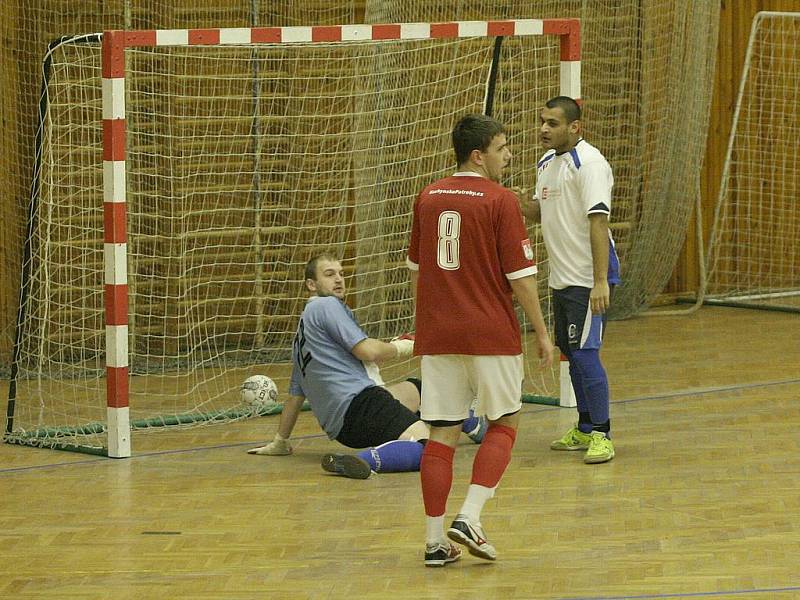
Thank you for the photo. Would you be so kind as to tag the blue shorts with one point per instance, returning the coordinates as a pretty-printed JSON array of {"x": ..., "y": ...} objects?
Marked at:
[{"x": 576, "y": 327}]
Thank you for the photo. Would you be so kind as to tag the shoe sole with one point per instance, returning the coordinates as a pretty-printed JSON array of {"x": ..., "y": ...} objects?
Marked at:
[
  {"x": 439, "y": 562},
  {"x": 569, "y": 448},
  {"x": 594, "y": 460},
  {"x": 435, "y": 563},
  {"x": 346, "y": 465},
  {"x": 461, "y": 538}
]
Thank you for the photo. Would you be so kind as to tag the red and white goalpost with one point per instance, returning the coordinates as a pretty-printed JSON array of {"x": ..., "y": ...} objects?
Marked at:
[
  {"x": 114, "y": 45},
  {"x": 229, "y": 155}
]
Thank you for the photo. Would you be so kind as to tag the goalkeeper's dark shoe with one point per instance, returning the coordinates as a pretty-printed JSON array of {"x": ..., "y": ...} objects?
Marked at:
[{"x": 347, "y": 465}]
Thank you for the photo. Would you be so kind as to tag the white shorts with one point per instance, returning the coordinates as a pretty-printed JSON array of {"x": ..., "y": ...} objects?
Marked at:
[{"x": 452, "y": 383}]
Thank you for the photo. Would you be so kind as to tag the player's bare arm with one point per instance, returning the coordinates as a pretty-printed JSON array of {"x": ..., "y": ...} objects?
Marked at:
[
  {"x": 600, "y": 297},
  {"x": 527, "y": 293},
  {"x": 372, "y": 350},
  {"x": 291, "y": 410}
]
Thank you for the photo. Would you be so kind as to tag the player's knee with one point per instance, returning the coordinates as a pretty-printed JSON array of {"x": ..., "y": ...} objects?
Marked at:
[
  {"x": 509, "y": 420},
  {"x": 416, "y": 431},
  {"x": 417, "y": 383}
]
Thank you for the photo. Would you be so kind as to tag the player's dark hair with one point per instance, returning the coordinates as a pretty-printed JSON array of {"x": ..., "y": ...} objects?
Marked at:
[
  {"x": 572, "y": 110},
  {"x": 311, "y": 265},
  {"x": 474, "y": 132}
]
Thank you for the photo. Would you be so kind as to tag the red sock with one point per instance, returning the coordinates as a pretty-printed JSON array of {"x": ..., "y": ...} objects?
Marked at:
[
  {"x": 493, "y": 455},
  {"x": 436, "y": 474}
]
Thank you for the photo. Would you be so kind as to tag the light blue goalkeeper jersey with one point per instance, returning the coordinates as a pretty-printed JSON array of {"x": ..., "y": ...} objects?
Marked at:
[{"x": 323, "y": 369}]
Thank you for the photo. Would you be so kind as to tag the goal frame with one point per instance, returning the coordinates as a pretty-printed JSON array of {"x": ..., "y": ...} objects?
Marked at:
[
  {"x": 114, "y": 44},
  {"x": 740, "y": 300}
]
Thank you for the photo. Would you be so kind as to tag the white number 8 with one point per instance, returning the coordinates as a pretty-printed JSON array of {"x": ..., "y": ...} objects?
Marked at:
[{"x": 449, "y": 232}]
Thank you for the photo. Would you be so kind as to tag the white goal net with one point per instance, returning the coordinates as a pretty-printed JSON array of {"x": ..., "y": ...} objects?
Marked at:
[
  {"x": 241, "y": 162},
  {"x": 754, "y": 255}
]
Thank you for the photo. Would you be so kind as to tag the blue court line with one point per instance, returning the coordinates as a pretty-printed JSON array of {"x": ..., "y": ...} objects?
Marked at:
[
  {"x": 540, "y": 408},
  {"x": 779, "y": 590},
  {"x": 683, "y": 393},
  {"x": 713, "y": 390},
  {"x": 106, "y": 460}
]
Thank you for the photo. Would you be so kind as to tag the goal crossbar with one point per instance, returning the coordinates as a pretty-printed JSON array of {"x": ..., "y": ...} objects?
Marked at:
[{"x": 113, "y": 72}]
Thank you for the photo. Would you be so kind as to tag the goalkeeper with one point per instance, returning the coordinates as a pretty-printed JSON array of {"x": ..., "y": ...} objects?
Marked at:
[{"x": 334, "y": 366}]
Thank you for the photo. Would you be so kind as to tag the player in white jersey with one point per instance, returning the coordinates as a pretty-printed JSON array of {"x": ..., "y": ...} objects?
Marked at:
[{"x": 573, "y": 203}]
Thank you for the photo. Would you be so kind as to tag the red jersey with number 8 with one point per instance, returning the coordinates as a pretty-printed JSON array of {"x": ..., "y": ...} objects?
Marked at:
[{"x": 467, "y": 240}]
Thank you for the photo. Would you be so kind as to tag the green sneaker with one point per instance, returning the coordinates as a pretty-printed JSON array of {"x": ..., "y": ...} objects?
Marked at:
[
  {"x": 574, "y": 439},
  {"x": 601, "y": 449}
]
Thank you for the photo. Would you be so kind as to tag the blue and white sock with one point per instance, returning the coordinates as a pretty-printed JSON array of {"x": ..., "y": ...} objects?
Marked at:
[
  {"x": 470, "y": 423},
  {"x": 396, "y": 456}
]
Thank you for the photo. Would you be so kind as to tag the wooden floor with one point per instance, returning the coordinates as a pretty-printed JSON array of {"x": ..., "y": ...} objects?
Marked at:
[{"x": 703, "y": 499}]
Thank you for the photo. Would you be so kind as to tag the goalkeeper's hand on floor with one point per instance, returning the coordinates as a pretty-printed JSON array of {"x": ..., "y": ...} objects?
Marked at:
[{"x": 279, "y": 446}]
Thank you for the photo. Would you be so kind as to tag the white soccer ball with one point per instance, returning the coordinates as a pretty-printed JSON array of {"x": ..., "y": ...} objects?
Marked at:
[{"x": 259, "y": 393}]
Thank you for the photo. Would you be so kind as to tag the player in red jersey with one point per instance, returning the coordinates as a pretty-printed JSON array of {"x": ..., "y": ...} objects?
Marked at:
[{"x": 469, "y": 254}]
